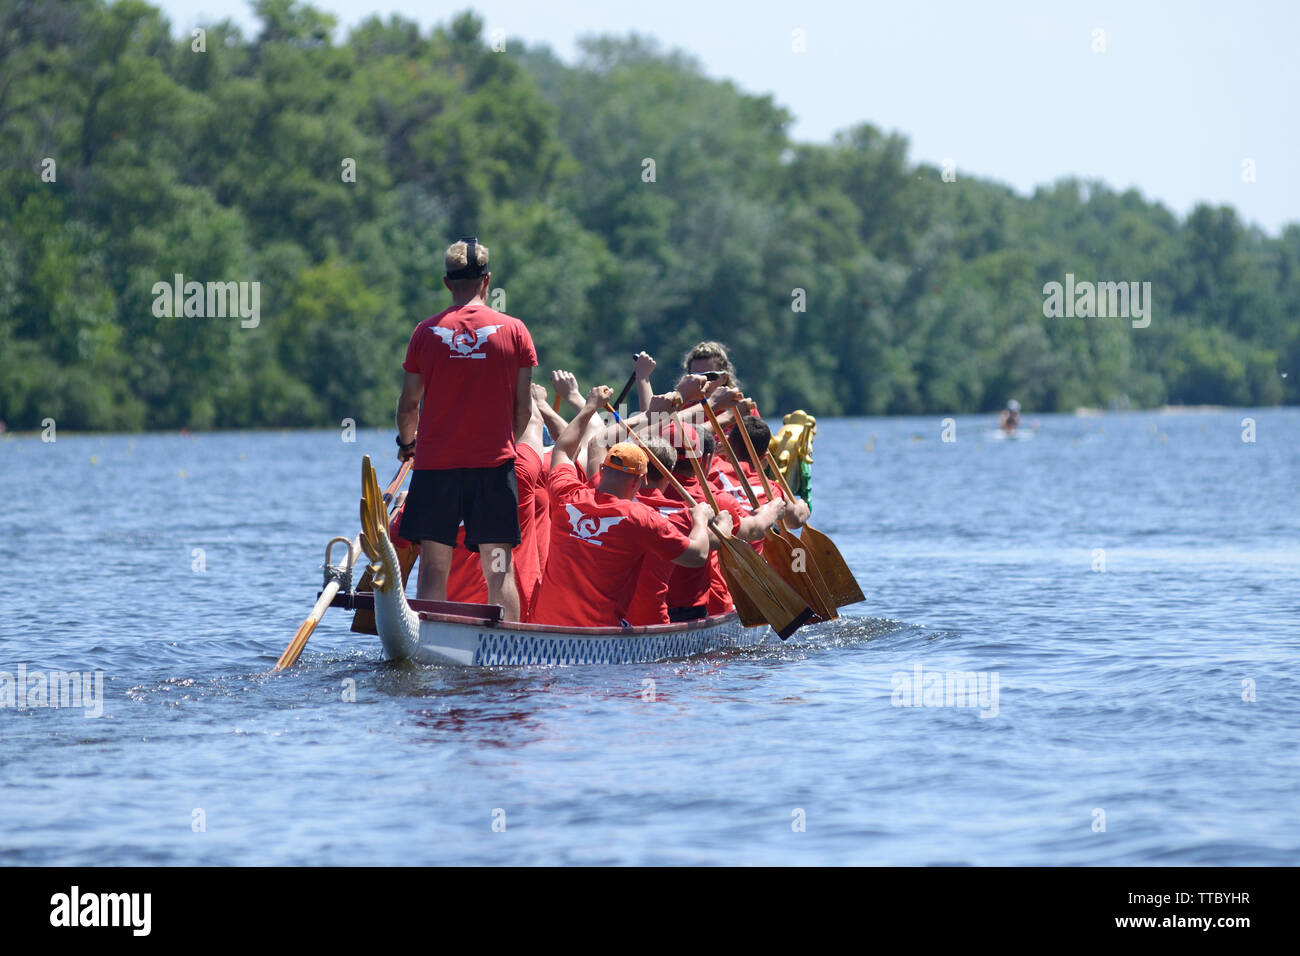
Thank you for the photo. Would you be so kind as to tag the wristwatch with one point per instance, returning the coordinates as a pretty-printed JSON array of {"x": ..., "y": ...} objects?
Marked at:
[{"x": 409, "y": 444}]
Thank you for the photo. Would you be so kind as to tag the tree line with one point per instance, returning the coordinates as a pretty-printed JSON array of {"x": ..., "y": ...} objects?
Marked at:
[{"x": 630, "y": 201}]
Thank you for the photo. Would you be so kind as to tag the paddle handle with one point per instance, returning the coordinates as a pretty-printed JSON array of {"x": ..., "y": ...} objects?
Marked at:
[
  {"x": 780, "y": 476},
  {"x": 631, "y": 380},
  {"x": 753, "y": 457},
  {"x": 785, "y": 487},
  {"x": 731, "y": 454},
  {"x": 700, "y": 476},
  {"x": 776, "y": 470}
]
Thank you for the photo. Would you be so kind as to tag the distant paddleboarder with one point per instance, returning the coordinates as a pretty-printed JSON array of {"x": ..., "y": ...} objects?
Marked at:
[{"x": 1010, "y": 418}]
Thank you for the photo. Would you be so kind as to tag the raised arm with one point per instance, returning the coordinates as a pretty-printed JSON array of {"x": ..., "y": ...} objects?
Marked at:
[
  {"x": 523, "y": 401},
  {"x": 596, "y": 445},
  {"x": 532, "y": 435},
  {"x": 722, "y": 401},
  {"x": 552, "y": 419},
  {"x": 569, "y": 440},
  {"x": 645, "y": 365},
  {"x": 566, "y": 387}
]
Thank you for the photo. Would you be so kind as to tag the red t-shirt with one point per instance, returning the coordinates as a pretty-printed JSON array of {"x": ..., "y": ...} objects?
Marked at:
[
  {"x": 544, "y": 506},
  {"x": 649, "y": 604},
  {"x": 541, "y": 525},
  {"x": 689, "y": 587},
  {"x": 469, "y": 359},
  {"x": 597, "y": 545},
  {"x": 756, "y": 482},
  {"x": 398, "y": 541},
  {"x": 723, "y": 475},
  {"x": 582, "y": 472},
  {"x": 465, "y": 580}
]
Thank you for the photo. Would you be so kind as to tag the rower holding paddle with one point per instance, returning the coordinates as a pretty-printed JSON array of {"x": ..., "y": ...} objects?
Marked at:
[
  {"x": 468, "y": 377},
  {"x": 760, "y": 436},
  {"x": 650, "y": 603},
  {"x": 710, "y": 357},
  {"x": 689, "y": 588},
  {"x": 601, "y": 534}
]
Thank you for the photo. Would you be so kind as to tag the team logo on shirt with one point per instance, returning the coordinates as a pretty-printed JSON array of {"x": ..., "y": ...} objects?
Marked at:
[
  {"x": 589, "y": 528},
  {"x": 466, "y": 343},
  {"x": 730, "y": 487}
]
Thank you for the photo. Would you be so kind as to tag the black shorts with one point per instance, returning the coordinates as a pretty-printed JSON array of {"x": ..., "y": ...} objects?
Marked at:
[{"x": 486, "y": 499}]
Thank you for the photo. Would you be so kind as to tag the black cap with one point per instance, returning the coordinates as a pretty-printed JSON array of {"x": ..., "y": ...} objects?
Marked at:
[{"x": 471, "y": 269}]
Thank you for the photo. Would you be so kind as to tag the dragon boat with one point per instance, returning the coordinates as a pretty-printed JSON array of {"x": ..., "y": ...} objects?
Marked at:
[{"x": 444, "y": 632}]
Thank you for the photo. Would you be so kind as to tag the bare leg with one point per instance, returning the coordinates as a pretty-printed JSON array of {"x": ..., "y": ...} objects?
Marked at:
[
  {"x": 499, "y": 573},
  {"x": 435, "y": 565}
]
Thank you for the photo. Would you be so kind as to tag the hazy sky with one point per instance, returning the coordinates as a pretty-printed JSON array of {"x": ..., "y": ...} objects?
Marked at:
[{"x": 1183, "y": 93}]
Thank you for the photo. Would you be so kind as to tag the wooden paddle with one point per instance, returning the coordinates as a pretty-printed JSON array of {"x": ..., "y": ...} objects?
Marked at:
[
  {"x": 760, "y": 596},
  {"x": 751, "y": 615},
  {"x": 290, "y": 655},
  {"x": 781, "y": 549},
  {"x": 631, "y": 380},
  {"x": 841, "y": 583}
]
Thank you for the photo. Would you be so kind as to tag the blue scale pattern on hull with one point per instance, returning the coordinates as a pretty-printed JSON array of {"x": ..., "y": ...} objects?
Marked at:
[{"x": 516, "y": 649}]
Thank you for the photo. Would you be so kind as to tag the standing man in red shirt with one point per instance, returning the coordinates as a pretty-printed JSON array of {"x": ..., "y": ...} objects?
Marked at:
[{"x": 469, "y": 372}]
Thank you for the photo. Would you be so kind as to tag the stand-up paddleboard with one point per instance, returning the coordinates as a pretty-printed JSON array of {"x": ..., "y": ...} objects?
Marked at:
[{"x": 1020, "y": 434}]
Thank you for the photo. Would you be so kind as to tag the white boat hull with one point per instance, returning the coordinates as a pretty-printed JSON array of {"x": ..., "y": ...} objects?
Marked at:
[
  {"x": 447, "y": 639},
  {"x": 437, "y": 638}
]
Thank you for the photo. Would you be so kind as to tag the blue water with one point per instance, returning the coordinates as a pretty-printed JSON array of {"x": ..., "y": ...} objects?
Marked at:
[{"x": 1119, "y": 691}]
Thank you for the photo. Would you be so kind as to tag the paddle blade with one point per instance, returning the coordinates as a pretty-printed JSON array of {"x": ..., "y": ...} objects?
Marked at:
[
  {"x": 814, "y": 572},
  {"x": 750, "y": 614},
  {"x": 796, "y": 567},
  {"x": 841, "y": 584},
  {"x": 761, "y": 589},
  {"x": 290, "y": 655}
]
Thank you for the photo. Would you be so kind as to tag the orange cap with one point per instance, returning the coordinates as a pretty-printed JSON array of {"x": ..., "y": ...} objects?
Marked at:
[{"x": 627, "y": 457}]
